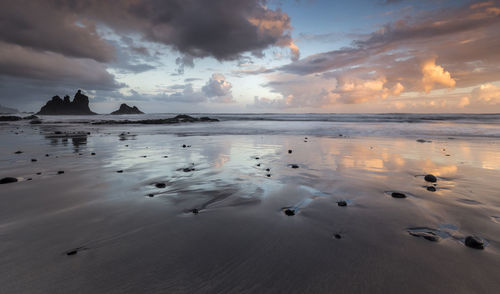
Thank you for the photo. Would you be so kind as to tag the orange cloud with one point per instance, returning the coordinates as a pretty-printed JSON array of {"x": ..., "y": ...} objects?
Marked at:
[{"x": 435, "y": 74}]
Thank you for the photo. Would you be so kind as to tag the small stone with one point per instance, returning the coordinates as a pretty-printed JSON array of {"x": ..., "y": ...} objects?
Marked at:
[
  {"x": 151, "y": 195},
  {"x": 29, "y": 179},
  {"x": 268, "y": 169},
  {"x": 294, "y": 166},
  {"x": 119, "y": 171},
  {"x": 337, "y": 236},
  {"x": 165, "y": 156},
  {"x": 72, "y": 252},
  {"x": 46, "y": 155},
  {"x": 474, "y": 242},
  {"x": 289, "y": 151},
  {"x": 257, "y": 158},
  {"x": 258, "y": 164},
  {"x": 160, "y": 185},
  {"x": 398, "y": 195},
  {"x": 57, "y": 132},
  {"x": 268, "y": 175},
  {"x": 38, "y": 173},
  {"x": 431, "y": 189},
  {"x": 430, "y": 178},
  {"x": 93, "y": 153},
  {"x": 289, "y": 212},
  {"x": 60, "y": 172},
  {"x": 18, "y": 152},
  {"x": 8, "y": 180},
  {"x": 184, "y": 146},
  {"x": 33, "y": 160},
  {"x": 195, "y": 211},
  {"x": 342, "y": 203}
]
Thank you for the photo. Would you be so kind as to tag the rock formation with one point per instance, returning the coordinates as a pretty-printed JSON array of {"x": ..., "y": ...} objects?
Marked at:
[
  {"x": 58, "y": 106},
  {"x": 125, "y": 109}
]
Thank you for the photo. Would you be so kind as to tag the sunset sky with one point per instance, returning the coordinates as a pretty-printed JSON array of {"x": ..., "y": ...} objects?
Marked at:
[{"x": 253, "y": 56}]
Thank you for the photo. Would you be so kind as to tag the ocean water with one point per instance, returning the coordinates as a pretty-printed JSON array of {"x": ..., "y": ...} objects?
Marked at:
[{"x": 327, "y": 125}]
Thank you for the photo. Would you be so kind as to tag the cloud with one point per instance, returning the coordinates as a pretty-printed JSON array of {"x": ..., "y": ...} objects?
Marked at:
[
  {"x": 40, "y": 26},
  {"x": 487, "y": 93},
  {"x": 435, "y": 74},
  {"x": 217, "y": 87},
  {"x": 222, "y": 29},
  {"x": 464, "y": 101}
]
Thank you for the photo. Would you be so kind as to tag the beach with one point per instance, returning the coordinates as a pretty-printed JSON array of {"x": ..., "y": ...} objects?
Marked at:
[{"x": 201, "y": 207}]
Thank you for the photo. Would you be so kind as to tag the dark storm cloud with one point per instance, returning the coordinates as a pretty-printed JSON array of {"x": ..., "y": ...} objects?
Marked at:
[
  {"x": 38, "y": 25},
  {"x": 223, "y": 29}
]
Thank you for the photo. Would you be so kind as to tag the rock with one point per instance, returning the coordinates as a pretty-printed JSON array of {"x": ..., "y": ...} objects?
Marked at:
[
  {"x": 119, "y": 171},
  {"x": 125, "y": 109},
  {"x": 10, "y": 118},
  {"x": 289, "y": 212},
  {"x": 398, "y": 195},
  {"x": 268, "y": 169},
  {"x": 426, "y": 234},
  {"x": 195, "y": 211},
  {"x": 18, "y": 152},
  {"x": 431, "y": 189},
  {"x": 46, "y": 155},
  {"x": 423, "y": 141},
  {"x": 289, "y": 151},
  {"x": 188, "y": 169},
  {"x": 257, "y": 158},
  {"x": 38, "y": 173},
  {"x": 151, "y": 195},
  {"x": 182, "y": 118},
  {"x": 337, "y": 236},
  {"x": 342, "y": 203},
  {"x": 58, "y": 106},
  {"x": 60, "y": 172},
  {"x": 8, "y": 180},
  {"x": 474, "y": 242},
  {"x": 160, "y": 185},
  {"x": 258, "y": 164},
  {"x": 33, "y": 160},
  {"x": 430, "y": 178},
  {"x": 93, "y": 153},
  {"x": 268, "y": 175},
  {"x": 184, "y": 146},
  {"x": 72, "y": 252},
  {"x": 294, "y": 166}
]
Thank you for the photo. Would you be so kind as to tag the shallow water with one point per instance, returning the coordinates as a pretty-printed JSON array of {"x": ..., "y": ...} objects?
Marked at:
[{"x": 130, "y": 236}]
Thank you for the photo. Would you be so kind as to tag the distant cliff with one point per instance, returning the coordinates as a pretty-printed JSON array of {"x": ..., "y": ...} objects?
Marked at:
[
  {"x": 125, "y": 109},
  {"x": 58, "y": 106},
  {"x": 4, "y": 109}
]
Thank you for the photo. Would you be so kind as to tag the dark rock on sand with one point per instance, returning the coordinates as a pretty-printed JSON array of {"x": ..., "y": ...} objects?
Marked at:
[
  {"x": 427, "y": 234},
  {"x": 398, "y": 195},
  {"x": 33, "y": 160},
  {"x": 342, "y": 203},
  {"x": 38, "y": 173},
  {"x": 423, "y": 141},
  {"x": 93, "y": 153},
  {"x": 337, "y": 236},
  {"x": 18, "y": 152},
  {"x": 294, "y": 166},
  {"x": 474, "y": 242},
  {"x": 258, "y": 164},
  {"x": 289, "y": 151},
  {"x": 195, "y": 211},
  {"x": 431, "y": 188},
  {"x": 184, "y": 146},
  {"x": 268, "y": 175},
  {"x": 8, "y": 180},
  {"x": 160, "y": 185},
  {"x": 289, "y": 212},
  {"x": 430, "y": 178},
  {"x": 58, "y": 106},
  {"x": 125, "y": 109},
  {"x": 268, "y": 169},
  {"x": 119, "y": 171},
  {"x": 60, "y": 172},
  {"x": 188, "y": 169}
]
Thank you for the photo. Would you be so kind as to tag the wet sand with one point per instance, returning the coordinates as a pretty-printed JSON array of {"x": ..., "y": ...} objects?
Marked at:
[{"x": 218, "y": 224}]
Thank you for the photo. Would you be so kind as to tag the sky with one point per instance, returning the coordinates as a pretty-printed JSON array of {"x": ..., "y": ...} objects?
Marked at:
[{"x": 249, "y": 56}]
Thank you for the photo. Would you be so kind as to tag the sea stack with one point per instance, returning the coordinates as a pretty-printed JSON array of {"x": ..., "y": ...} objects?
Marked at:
[
  {"x": 125, "y": 109},
  {"x": 58, "y": 106}
]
